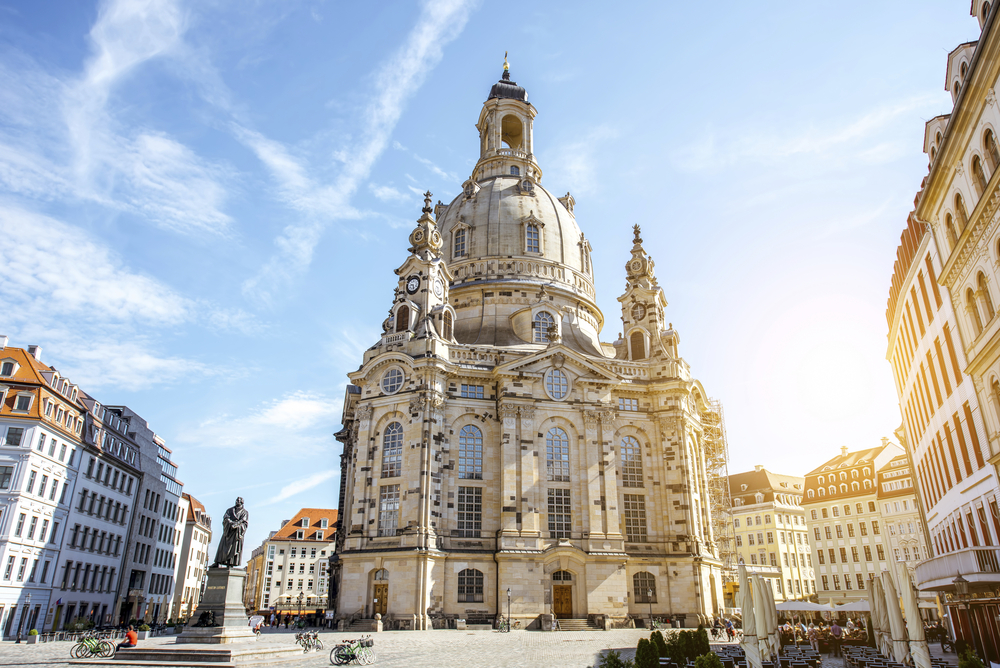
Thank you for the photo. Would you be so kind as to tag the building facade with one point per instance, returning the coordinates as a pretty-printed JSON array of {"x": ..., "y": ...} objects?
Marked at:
[
  {"x": 770, "y": 532},
  {"x": 192, "y": 561},
  {"x": 492, "y": 441},
  {"x": 842, "y": 512},
  {"x": 288, "y": 573}
]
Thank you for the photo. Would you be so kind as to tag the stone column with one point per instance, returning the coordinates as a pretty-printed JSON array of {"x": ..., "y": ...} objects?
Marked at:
[
  {"x": 510, "y": 448},
  {"x": 609, "y": 450},
  {"x": 529, "y": 488},
  {"x": 595, "y": 485}
]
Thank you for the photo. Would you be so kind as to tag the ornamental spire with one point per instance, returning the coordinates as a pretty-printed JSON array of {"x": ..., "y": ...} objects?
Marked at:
[
  {"x": 425, "y": 240},
  {"x": 640, "y": 266}
]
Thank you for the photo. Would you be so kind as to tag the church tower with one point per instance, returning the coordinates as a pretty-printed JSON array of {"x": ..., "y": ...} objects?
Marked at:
[{"x": 493, "y": 442}]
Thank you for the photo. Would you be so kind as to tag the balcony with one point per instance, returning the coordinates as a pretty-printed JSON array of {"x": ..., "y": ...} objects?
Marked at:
[{"x": 978, "y": 565}]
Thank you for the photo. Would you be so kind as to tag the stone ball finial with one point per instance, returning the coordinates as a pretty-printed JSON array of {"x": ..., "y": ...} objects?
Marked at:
[{"x": 378, "y": 616}]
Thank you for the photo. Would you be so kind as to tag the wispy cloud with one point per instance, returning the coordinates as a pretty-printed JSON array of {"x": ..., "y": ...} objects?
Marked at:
[
  {"x": 303, "y": 485},
  {"x": 389, "y": 194},
  {"x": 400, "y": 76},
  {"x": 577, "y": 161}
]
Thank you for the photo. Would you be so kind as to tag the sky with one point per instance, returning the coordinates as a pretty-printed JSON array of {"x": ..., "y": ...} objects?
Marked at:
[{"x": 202, "y": 203}]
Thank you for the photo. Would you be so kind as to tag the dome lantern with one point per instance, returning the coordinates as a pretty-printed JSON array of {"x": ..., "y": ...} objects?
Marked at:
[{"x": 506, "y": 140}]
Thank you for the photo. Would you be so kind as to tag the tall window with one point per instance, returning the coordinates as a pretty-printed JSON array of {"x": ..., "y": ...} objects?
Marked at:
[
  {"x": 470, "y": 453},
  {"x": 447, "y": 326},
  {"x": 638, "y": 342},
  {"x": 388, "y": 510},
  {"x": 460, "y": 242},
  {"x": 961, "y": 213},
  {"x": 560, "y": 522},
  {"x": 949, "y": 224},
  {"x": 635, "y": 518},
  {"x": 470, "y": 586},
  {"x": 470, "y": 511},
  {"x": 531, "y": 244},
  {"x": 642, "y": 584},
  {"x": 992, "y": 152},
  {"x": 402, "y": 318},
  {"x": 540, "y": 326},
  {"x": 392, "y": 451},
  {"x": 978, "y": 175},
  {"x": 631, "y": 462},
  {"x": 557, "y": 455},
  {"x": 973, "y": 309},
  {"x": 557, "y": 384},
  {"x": 984, "y": 294}
]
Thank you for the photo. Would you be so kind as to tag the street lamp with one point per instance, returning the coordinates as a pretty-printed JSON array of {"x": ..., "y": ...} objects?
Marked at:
[
  {"x": 649, "y": 599},
  {"x": 508, "y": 607},
  {"x": 20, "y": 622}
]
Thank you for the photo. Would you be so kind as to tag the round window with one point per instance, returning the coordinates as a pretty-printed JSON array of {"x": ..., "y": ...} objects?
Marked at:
[
  {"x": 392, "y": 381},
  {"x": 557, "y": 384}
]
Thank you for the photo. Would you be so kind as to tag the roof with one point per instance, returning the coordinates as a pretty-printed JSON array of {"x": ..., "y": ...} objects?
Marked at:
[
  {"x": 507, "y": 89},
  {"x": 315, "y": 517},
  {"x": 894, "y": 465},
  {"x": 764, "y": 481},
  {"x": 196, "y": 510}
]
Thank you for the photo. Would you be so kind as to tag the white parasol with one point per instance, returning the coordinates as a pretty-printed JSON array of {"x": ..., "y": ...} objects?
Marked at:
[
  {"x": 914, "y": 624},
  {"x": 772, "y": 618},
  {"x": 900, "y": 648},
  {"x": 760, "y": 616},
  {"x": 749, "y": 643}
]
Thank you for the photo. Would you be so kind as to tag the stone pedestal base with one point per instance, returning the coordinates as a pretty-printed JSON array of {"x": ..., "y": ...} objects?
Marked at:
[{"x": 224, "y": 600}]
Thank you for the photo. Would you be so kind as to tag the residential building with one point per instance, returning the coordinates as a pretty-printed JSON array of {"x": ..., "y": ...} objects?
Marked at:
[
  {"x": 192, "y": 562},
  {"x": 42, "y": 420},
  {"x": 842, "y": 513},
  {"x": 494, "y": 442},
  {"x": 288, "y": 573},
  {"x": 769, "y": 528},
  {"x": 956, "y": 433}
]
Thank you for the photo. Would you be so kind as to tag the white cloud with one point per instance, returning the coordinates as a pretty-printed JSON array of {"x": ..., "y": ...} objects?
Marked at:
[
  {"x": 305, "y": 484},
  {"x": 439, "y": 23},
  {"x": 388, "y": 193},
  {"x": 576, "y": 161}
]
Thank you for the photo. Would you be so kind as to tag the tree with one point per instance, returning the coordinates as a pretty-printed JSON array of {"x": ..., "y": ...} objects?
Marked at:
[
  {"x": 646, "y": 655},
  {"x": 661, "y": 645}
]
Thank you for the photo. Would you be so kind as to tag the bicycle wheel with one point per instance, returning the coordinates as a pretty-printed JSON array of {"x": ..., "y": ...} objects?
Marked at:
[
  {"x": 74, "y": 651},
  {"x": 107, "y": 649},
  {"x": 319, "y": 645},
  {"x": 370, "y": 655},
  {"x": 341, "y": 655}
]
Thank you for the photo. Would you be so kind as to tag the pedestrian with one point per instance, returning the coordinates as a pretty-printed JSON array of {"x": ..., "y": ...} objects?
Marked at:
[
  {"x": 836, "y": 633},
  {"x": 813, "y": 637},
  {"x": 730, "y": 631},
  {"x": 272, "y": 619},
  {"x": 288, "y": 618},
  {"x": 131, "y": 639}
]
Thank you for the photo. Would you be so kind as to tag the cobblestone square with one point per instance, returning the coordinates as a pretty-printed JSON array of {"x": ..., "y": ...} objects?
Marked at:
[{"x": 427, "y": 649}]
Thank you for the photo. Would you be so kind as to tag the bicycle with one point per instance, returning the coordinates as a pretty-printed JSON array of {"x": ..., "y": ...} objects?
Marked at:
[
  {"x": 359, "y": 650},
  {"x": 504, "y": 625},
  {"x": 309, "y": 641},
  {"x": 92, "y": 646}
]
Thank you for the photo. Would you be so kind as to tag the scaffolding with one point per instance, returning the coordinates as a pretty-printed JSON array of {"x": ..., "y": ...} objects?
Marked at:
[{"x": 717, "y": 461}]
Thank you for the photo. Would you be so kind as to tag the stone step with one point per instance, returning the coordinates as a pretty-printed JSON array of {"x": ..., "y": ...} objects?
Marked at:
[{"x": 577, "y": 625}]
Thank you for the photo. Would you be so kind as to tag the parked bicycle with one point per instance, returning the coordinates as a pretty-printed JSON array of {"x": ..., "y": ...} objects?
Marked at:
[
  {"x": 92, "y": 646},
  {"x": 309, "y": 641},
  {"x": 359, "y": 650}
]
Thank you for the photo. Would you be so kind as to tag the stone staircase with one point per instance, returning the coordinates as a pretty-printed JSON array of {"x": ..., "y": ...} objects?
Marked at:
[
  {"x": 362, "y": 626},
  {"x": 577, "y": 625}
]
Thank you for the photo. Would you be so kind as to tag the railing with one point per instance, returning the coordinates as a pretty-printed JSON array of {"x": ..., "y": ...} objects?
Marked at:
[
  {"x": 512, "y": 152},
  {"x": 976, "y": 564},
  {"x": 398, "y": 337}
]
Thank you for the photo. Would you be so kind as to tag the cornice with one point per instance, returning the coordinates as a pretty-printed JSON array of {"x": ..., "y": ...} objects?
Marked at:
[{"x": 983, "y": 216}]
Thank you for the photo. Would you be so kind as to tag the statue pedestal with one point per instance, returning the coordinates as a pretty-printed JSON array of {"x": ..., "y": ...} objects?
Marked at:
[{"x": 223, "y": 598}]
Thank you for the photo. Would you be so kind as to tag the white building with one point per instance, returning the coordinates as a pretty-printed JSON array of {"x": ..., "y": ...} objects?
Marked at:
[{"x": 192, "y": 562}]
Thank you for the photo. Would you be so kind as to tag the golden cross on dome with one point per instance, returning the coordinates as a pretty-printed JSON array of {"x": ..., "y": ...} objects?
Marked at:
[{"x": 506, "y": 65}]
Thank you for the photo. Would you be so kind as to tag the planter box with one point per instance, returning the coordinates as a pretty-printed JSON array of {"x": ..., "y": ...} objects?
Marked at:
[
  {"x": 31, "y": 640},
  {"x": 143, "y": 635}
]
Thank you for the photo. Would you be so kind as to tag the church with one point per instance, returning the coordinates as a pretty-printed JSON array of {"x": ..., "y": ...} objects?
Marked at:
[{"x": 497, "y": 455}]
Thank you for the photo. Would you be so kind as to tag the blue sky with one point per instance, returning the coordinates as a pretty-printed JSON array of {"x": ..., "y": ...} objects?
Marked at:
[{"x": 202, "y": 203}]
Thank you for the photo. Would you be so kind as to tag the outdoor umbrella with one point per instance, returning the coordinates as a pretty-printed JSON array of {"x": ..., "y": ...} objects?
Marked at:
[
  {"x": 772, "y": 620},
  {"x": 914, "y": 624},
  {"x": 854, "y": 606},
  {"x": 749, "y": 643},
  {"x": 880, "y": 618},
  {"x": 760, "y": 617},
  {"x": 900, "y": 648}
]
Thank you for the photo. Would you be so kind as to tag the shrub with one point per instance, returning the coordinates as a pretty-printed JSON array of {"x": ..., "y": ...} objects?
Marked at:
[
  {"x": 967, "y": 659},
  {"x": 701, "y": 645},
  {"x": 708, "y": 660},
  {"x": 646, "y": 655},
  {"x": 144, "y": 627},
  {"x": 33, "y": 632},
  {"x": 661, "y": 645},
  {"x": 683, "y": 646},
  {"x": 613, "y": 659}
]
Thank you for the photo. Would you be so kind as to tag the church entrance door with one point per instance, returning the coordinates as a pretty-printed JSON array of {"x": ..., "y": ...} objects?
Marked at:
[
  {"x": 562, "y": 601},
  {"x": 380, "y": 599}
]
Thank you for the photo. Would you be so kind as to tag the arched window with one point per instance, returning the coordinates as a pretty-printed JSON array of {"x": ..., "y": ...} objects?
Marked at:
[
  {"x": 822, "y": 480},
  {"x": 996, "y": 395},
  {"x": 963, "y": 69},
  {"x": 843, "y": 488},
  {"x": 821, "y": 492},
  {"x": 937, "y": 138},
  {"x": 541, "y": 324},
  {"x": 970, "y": 306},
  {"x": 985, "y": 11},
  {"x": 392, "y": 451},
  {"x": 756, "y": 519},
  {"x": 531, "y": 242},
  {"x": 403, "y": 318},
  {"x": 470, "y": 586},
  {"x": 638, "y": 342},
  {"x": 854, "y": 473},
  {"x": 961, "y": 213},
  {"x": 855, "y": 486},
  {"x": 557, "y": 384},
  {"x": 843, "y": 476},
  {"x": 956, "y": 88},
  {"x": 562, "y": 576},
  {"x": 557, "y": 455},
  {"x": 868, "y": 484},
  {"x": 809, "y": 494},
  {"x": 949, "y": 224},
  {"x": 470, "y": 453},
  {"x": 933, "y": 153},
  {"x": 867, "y": 471},
  {"x": 446, "y": 326},
  {"x": 767, "y": 519},
  {"x": 631, "y": 456},
  {"x": 644, "y": 587},
  {"x": 992, "y": 152},
  {"x": 984, "y": 294},
  {"x": 460, "y": 242},
  {"x": 515, "y": 171},
  {"x": 381, "y": 574},
  {"x": 833, "y": 490},
  {"x": 979, "y": 176}
]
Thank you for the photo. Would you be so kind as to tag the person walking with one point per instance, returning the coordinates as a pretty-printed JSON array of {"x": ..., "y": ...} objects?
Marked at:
[
  {"x": 836, "y": 634},
  {"x": 813, "y": 637}
]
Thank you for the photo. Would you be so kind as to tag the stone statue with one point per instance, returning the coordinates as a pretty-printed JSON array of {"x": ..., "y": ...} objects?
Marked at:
[{"x": 234, "y": 525}]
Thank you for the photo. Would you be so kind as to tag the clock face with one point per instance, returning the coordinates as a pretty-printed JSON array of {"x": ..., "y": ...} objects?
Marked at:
[
  {"x": 438, "y": 287},
  {"x": 412, "y": 284},
  {"x": 638, "y": 311}
]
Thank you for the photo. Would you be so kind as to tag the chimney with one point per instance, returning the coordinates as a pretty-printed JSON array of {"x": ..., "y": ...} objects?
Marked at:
[
  {"x": 843, "y": 451},
  {"x": 36, "y": 352},
  {"x": 3, "y": 340},
  {"x": 758, "y": 468},
  {"x": 885, "y": 441}
]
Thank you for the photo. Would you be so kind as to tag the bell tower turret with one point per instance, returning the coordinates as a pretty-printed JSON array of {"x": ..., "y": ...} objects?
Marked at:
[
  {"x": 506, "y": 140},
  {"x": 643, "y": 306}
]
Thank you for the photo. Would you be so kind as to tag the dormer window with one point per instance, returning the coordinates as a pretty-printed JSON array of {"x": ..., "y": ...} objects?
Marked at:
[
  {"x": 300, "y": 535},
  {"x": 531, "y": 242},
  {"x": 324, "y": 523},
  {"x": 319, "y": 535},
  {"x": 23, "y": 402},
  {"x": 305, "y": 522},
  {"x": 7, "y": 368},
  {"x": 540, "y": 326},
  {"x": 743, "y": 488}
]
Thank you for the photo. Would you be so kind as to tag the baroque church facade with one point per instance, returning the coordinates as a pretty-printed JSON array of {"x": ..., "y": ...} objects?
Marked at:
[{"x": 496, "y": 453}]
